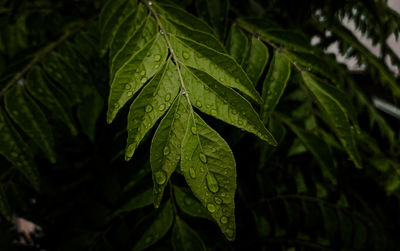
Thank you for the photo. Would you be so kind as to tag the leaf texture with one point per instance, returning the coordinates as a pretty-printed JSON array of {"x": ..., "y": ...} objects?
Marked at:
[
  {"x": 185, "y": 238},
  {"x": 237, "y": 44},
  {"x": 209, "y": 169},
  {"x": 215, "y": 12},
  {"x": 189, "y": 204},
  {"x": 257, "y": 60},
  {"x": 27, "y": 114}
]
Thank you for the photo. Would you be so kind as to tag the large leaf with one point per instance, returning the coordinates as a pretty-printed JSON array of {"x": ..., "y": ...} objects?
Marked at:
[
  {"x": 185, "y": 238},
  {"x": 157, "y": 229},
  {"x": 165, "y": 151},
  {"x": 28, "y": 115},
  {"x": 275, "y": 84},
  {"x": 257, "y": 59},
  {"x": 152, "y": 102},
  {"x": 210, "y": 171},
  {"x": 88, "y": 113},
  {"x": 16, "y": 151},
  {"x": 330, "y": 99}
]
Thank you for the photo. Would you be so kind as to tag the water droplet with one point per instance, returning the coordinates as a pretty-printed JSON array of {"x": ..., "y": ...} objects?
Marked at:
[
  {"x": 224, "y": 219},
  {"x": 201, "y": 169},
  {"x": 157, "y": 58},
  {"x": 160, "y": 177},
  {"x": 188, "y": 201},
  {"x": 129, "y": 93},
  {"x": 143, "y": 80},
  {"x": 240, "y": 122},
  {"x": 116, "y": 105},
  {"x": 229, "y": 233},
  {"x": 194, "y": 130},
  {"x": 203, "y": 158},
  {"x": 223, "y": 194},
  {"x": 127, "y": 86},
  {"x": 161, "y": 107},
  {"x": 234, "y": 112},
  {"x": 156, "y": 66},
  {"x": 149, "y": 108},
  {"x": 183, "y": 92},
  {"x": 150, "y": 3},
  {"x": 218, "y": 200},
  {"x": 186, "y": 55},
  {"x": 214, "y": 112},
  {"x": 198, "y": 104},
  {"x": 212, "y": 183},
  {"x": 213, "y": 150},
  {"x": 142, "y": 73},
  {"x": 166, "y": 150},
  {"x": 208, "y": 106},
  {"x": 148, "y": 239},
  {"x": 162, "y": 32},
  {"x": 222, "y": 79},
  {"x": 167, "y": 97},
  {"x": 192, "y": 172},
  {"x": 211, "y": 207}
]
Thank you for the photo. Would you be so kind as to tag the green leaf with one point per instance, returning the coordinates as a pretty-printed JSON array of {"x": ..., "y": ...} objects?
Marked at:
[
  {"x": 316, "y": 146},
  {"x": 88, "y": 113},
  {"x": 165, "y": 151},
  {"x": 210, "y": 171},
  {"x": 237, "y": 44},
  {"x": 223, "y": 103},
  {"x": 215, "y": 12},
  {"x": 189, "y": 204},
  {"x": 330, "y": 100},
  {"x": 185, "y": 238},
  {"x": 288, "y": 38},
  {"x": 53, "y": 98},
  {"x": 275, "y": 84},
  {"x": 157, "y": 229},
  {"x": 28, "y": 115},
  {"x": 5, "y": 209},
  {"x": 257, "y": 60},
  {"x": 140, "y": 200},
  {"x": 152, "y": 102},
  {"x": 16, "y": 151}
]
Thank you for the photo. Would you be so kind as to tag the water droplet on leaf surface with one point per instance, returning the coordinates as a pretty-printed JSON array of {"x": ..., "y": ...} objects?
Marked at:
[
  {"x": 160, "y": 177},
  {"x": 211, "y": 207},
  {"x": 212, "y": 183},
  {"x": 149, "y": 108},
  {"x": 203, "y": 158}
]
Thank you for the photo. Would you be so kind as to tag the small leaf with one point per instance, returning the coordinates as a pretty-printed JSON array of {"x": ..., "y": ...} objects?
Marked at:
[
  {"x": 152, "y": 102},
  {"x": 257, "y": 60},
  {"x": 140, "y": 200},
  {"x": 28, "y": 115},
  {"x": 275, "y": 84},
  {"x": 210, "y": 171},
  {"x": 53, "y": 98},
  {"x": 237, "y": 44},
  {"x": 88, "y": 113},
  {"x": 189, "y": 204},
  {"x": 16, "y": 151},
  {"x": 223, "y": 103},
  {"x": 157, "y": 229},
  {"x": 165, "y": 151},
  {"x": 215, "y": 12},
  {"x": 185, "y": 238},
  {"x": 330, "y": 99}
]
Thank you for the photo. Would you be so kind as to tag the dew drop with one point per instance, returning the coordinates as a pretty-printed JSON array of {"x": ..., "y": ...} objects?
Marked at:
[
  {"x": 186, "y": 55},
  {"x": 161, "y": 107},
  {"x": 213, "y": 150},
  {"x": 211, "y": 207},
  {"x": 192, "y": 173},
  {"x": 194, "y": 130},
  {"x": 156, "y": 66},
  {"x": 223, "y": 194},
  {"x": 240, "y": 122},
  {"x": 116, "y": 105},
  {"x": 214, "y": 112},
  {"x": 157, "y": 58},
  {"x": 142, "y": 73},
  {"x": 198, "y": 104},
  {"x": 166, "y": 150},
  {"x": 234, "y": 112},
  {"x": 203, "y": 158},
  {"x": 160, "y": 177},
  {"x": 229, "y": 233},
  {"x": 149, "y": 108},
  {"x": 168, "y": 97},
  {"x": 202, "y": 169},
  {"x": 150, "y": 3},
  {"x": 129, "y": 93},
  {"x": 183, "y": 92},
  {"x": 212, "y": 183},
  {"x": 143, "y": 80},
  {"x": 224, "y": 219},
  {"x": 127, "y": 86},
  {"x": 218, "y": 200}
]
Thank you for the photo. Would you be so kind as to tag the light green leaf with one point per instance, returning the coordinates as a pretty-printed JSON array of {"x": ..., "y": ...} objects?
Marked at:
[
  {"x": 210, "y": 171},
  {"x": 189, "y": 204},
  {"x": 135, "y": 73},
  {"x": 53, "y": 98},
  {"x": 152, "y": 102},
  {"x": 215, "y": 12},
  {"x": 165, "y": 151},
  {"x": 275, "y": 84},
  {"x": 184, "y": 238},
  {"x": 88, "y": 113},
  {"x": 330, "y": 100},
  {"x": 287, "y": 38},
  {"x": 111, "y": 17},
  {"x": 237, "y": 44},
  {"x": 16, "y": 151},
  {"x": 223, "y": 103},
  {"x": 28, "y": 115},
  {"x": 140, "y": 200},
  {"x": 157, "y": 229},
  {"x": 257, "y": 60}
]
